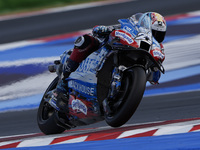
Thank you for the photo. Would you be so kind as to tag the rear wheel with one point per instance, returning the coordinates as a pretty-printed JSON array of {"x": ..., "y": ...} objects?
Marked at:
[
  {"x": 46, "y": 116},
  {"x": 125, "y": 104}
]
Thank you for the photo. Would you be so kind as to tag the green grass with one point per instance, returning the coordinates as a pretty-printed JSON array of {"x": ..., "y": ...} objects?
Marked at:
[{"x": 14, "y": 6}]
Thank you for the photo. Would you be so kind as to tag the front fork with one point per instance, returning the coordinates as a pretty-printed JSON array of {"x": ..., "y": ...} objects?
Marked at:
[
  {"x": 114, "y": 88},
  {"x": 116, "y": 80}
]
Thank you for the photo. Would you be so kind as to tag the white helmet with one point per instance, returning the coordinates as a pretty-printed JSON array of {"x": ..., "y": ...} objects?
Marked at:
[{"x": 158, "y": 25}]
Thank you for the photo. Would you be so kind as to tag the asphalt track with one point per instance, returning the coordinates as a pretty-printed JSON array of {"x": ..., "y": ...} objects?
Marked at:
[
  {"x": 156, "y": 108},
  {"x": 70, "y": 21},
  {"x": 151, "y": 109}
]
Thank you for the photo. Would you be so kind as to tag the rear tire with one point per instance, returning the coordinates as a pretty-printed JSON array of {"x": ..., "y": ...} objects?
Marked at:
[
  {"x": 46, "y": 116},
  {"x": 133, "y": 85}
]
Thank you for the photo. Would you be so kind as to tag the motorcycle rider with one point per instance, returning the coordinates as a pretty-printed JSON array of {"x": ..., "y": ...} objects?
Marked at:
[{"x": 88, "y": 43}]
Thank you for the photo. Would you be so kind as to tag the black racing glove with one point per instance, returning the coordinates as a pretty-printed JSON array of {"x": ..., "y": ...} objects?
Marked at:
[{"x": 101, "y": 31}]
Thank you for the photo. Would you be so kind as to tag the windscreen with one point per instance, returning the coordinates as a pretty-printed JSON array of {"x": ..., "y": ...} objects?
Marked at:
[{"x": 145, "y": 22}]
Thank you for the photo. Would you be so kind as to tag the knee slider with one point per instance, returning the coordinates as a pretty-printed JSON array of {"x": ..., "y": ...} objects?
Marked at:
[{"x": 82, "y": 41}]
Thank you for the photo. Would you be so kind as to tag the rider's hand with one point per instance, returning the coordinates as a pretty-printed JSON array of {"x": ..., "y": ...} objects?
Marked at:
[{"x": 101, "y": 30}]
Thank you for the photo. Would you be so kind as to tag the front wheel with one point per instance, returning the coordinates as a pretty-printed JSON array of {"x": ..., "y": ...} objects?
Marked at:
[
  {"x": 46, "y": 116},
  {"x": 131, "y": 93}
]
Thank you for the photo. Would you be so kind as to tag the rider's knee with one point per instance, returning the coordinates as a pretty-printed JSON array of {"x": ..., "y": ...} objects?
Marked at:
[
  {"x": 83, "y": 41},
  {"x": 83, "y": 47}
]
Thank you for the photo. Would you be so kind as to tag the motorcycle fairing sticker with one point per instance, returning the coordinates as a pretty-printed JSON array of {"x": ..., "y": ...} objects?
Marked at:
[
  {"x": 78, "y": 105},
  {"x": 127, "y": 25},
  {"x": 90, "y": 64},
  {"x": 87, "y": 90},
  {"x": 87, "y": 70},
  {"x": 83, "y": 108},
  {"x": 124, "y": 36}
]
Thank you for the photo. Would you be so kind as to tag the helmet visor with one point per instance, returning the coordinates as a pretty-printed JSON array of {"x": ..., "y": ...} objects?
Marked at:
[{"x": 158, "y": 35}]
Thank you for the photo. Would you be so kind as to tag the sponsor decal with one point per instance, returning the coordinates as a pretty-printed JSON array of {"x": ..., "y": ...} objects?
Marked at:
[
  {"x": 82, "y": 88},
  {"x": 158, "y": 53},
  {"x": 79, "y": 106},
  {"x": 124, "y": 36},
  {"x": 88, "y": 65},
  {"x": 127, "y": 28}
]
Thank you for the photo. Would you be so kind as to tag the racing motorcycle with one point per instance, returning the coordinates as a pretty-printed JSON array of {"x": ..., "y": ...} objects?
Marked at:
[{"x": 108, "y": 85}]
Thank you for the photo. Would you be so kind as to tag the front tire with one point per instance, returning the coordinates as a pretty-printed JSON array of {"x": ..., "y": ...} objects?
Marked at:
[
  {"x": 46, "y": 116},
  {"x": 133, "y": 86}
]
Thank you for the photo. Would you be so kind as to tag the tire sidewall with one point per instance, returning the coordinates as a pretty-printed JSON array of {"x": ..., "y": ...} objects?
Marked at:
[{"x": 48, "y": 126}]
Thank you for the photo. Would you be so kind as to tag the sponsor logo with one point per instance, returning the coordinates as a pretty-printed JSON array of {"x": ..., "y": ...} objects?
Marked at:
[
  {"x": 124, "y": 36},
  {"x": 157, "y": 53},
  {"x": 127, "y": 29},
  {"x": 82, "y": 88},
  {"x": 79, "y": 106},
  {"x": 88, "y": 65}
]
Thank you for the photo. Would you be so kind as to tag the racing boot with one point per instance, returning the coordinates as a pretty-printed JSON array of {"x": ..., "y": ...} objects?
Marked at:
[
  {"x": 61, "y": 97},
  {"x": 60, "y": 94}
]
